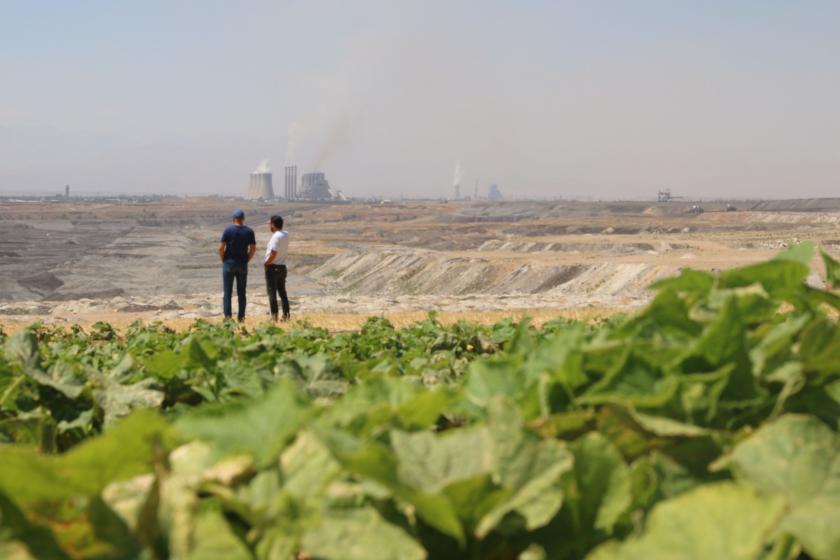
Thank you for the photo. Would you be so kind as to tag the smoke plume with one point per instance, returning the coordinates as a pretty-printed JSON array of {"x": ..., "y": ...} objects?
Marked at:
[
  {"x": 458, "y": 176},
  {"x": 263, "y": 167},
  {"x": 291, "y": 146}
]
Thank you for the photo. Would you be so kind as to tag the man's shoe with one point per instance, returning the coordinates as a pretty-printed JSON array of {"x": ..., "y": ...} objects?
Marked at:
[{"x": 286, "y": 318}]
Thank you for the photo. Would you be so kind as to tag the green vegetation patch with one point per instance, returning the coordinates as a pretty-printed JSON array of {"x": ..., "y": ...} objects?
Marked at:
[{"x": 704, "y": 426}]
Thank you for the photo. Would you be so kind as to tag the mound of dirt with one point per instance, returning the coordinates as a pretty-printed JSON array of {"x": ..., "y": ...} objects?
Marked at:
[
  {"x": 392, "y": 272},
  {"x": 42, "y": 282}
]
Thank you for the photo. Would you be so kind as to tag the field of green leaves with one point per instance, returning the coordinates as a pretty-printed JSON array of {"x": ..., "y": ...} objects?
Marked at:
[{"x": 703, "y": 427}]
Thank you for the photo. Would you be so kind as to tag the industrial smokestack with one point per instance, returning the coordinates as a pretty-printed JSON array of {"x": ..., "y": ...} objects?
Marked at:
[
  {"x": 456, "y": 180},
  {"x": 259, "y": 186},
  {"x": 291, "y": 182}
]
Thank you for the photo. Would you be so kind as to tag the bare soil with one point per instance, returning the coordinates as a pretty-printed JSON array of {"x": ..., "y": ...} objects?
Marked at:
[{"x": 72, "y": 262}]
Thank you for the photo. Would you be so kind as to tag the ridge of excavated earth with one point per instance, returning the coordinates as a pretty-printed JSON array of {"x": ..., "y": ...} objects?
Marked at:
[{"x": 73, "y": 261}]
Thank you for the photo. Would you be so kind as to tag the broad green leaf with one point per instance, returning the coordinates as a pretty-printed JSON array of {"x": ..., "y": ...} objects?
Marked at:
[
  {"x": 39, "y": 540},
  {"x": 473, "y": 498},
  {"x": 488, "y": 380},
  {"x": 23, "y": 347},
  {"x": 779, "y": 338},
  {"x": 602, "y": 480},
  {"x": 800, "y": 252},
  {"x": 360, "y": 535},
  {"x": 723, "y": 337},
  {"x": 126, "y": 450},
  {"x": 780, "y": 278},
  {"x": 380, "y": 403},
  {"x": 307, "y": 467},
  {"x": 820, "y": 347},
  {"x": 129, "y": 499},
  {"x": 527, "y": 468},
  {"x": 424, "y": 409},
  {"x": 669, "y": 311},
  {"x": 378, "y": 463},
  {"x": 634, "y": 382},
  {"x": 165, "y": 364},
  {"x": 261, "y": 427},
  {"x": 723, "y": 520},
  {"x": 13, "y": 550},
  {"x": 832, "y": 269},
  {"x": 798, "y": 457},
  {"x": 276, "y": 544},
  {"x": 119, "y": 400},
  {"x": 429, "y": 462},
  {"x": 695, "y": 282},
  {"x": 111, "y": 534},
  {"x": 213, "y": 538}
]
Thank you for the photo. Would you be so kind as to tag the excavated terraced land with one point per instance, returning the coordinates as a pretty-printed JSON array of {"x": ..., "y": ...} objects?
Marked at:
[{"x": 65, "y": 261}]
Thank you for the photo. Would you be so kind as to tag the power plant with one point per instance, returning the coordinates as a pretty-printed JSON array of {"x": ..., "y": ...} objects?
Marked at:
[
  {"x": 259, "y": 186},
  {"x": 313, "y": 186}
]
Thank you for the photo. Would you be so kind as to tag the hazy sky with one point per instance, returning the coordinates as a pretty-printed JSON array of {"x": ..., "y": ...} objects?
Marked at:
[{"x": 606, "y": 99}]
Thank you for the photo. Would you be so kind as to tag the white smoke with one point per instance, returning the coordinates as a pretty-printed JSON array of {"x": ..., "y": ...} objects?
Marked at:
[
  {"x": 291, "y": 146},
  {"x": 338, "y": 135},
  {"x": 263, "y": 167},
  {"x": 458, "y": 177}
]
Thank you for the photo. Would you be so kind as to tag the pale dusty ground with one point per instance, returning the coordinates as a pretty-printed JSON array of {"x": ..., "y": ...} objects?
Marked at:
[{"x": 79, "y": 263}]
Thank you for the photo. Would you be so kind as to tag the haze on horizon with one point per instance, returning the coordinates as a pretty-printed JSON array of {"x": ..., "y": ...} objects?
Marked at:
[{"x": 547, "y": 99}]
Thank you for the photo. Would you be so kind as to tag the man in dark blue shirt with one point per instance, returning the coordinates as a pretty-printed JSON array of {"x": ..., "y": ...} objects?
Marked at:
[{"x": 236, "y": 250}]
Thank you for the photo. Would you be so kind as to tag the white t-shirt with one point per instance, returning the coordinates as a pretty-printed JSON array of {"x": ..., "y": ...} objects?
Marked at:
[{"x": 279, "y": 242}]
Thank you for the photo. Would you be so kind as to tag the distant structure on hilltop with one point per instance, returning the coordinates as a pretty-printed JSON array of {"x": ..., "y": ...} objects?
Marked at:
[
  {"x": 259, "y": 186},
  {"x": 665, "y": 195},
  {"x": 493, "y": 193},
  {"x": 456, "y": 180}
]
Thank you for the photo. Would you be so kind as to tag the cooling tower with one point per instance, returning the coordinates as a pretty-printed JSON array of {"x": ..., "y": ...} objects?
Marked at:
[{"x": 260, "y": 187}]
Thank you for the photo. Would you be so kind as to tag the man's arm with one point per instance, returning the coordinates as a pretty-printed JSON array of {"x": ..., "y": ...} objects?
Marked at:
[
  {"x": 252, "y": 248},
  {"x": 222, "y": 247},
  {"x": 270, "y": 258}
]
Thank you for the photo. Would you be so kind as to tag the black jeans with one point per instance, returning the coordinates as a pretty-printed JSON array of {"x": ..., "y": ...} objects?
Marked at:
[
  {"x": 275, "y": 283},
  {"x": 232, "y": 270}
]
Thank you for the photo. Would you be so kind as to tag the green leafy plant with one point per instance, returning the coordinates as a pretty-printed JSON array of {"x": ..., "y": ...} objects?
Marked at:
[{"x": 704, "y": 426}]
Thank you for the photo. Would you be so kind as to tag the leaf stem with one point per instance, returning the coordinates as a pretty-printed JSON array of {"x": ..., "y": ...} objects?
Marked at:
[
  {"x": 783, "y": 548},
  {"x": 11, "y": 389}
]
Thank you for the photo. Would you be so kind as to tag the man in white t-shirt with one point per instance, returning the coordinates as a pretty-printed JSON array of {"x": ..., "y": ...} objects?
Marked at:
[{"x": 275, "y": 266}]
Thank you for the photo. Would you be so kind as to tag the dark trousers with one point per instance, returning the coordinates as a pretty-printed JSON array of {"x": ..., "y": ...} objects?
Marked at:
[
  {"x": 234, "y": 271},
  {"x": 275, "y": 283}
]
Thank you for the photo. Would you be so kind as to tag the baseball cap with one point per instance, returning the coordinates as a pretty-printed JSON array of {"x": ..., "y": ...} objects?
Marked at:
[{"x": 238, "y": 214}]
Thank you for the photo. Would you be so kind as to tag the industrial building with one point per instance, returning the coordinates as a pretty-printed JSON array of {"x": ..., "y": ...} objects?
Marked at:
[
  {"x": 314, "y": 186},
  {"x": 494, "y": 193}
]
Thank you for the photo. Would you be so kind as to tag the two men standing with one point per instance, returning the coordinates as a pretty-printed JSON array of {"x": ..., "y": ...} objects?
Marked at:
[{"x": 237, "y": 248}]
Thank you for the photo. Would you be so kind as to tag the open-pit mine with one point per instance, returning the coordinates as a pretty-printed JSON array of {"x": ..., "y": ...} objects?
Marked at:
[{"x": 79, "y": 262}]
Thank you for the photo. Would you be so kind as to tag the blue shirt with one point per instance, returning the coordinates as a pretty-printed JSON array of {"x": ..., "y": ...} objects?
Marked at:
[{"x": 238, "y": 238}]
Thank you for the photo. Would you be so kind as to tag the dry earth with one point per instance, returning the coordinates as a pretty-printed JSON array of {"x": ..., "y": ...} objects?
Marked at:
[{"x": 70, "y": 262}]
